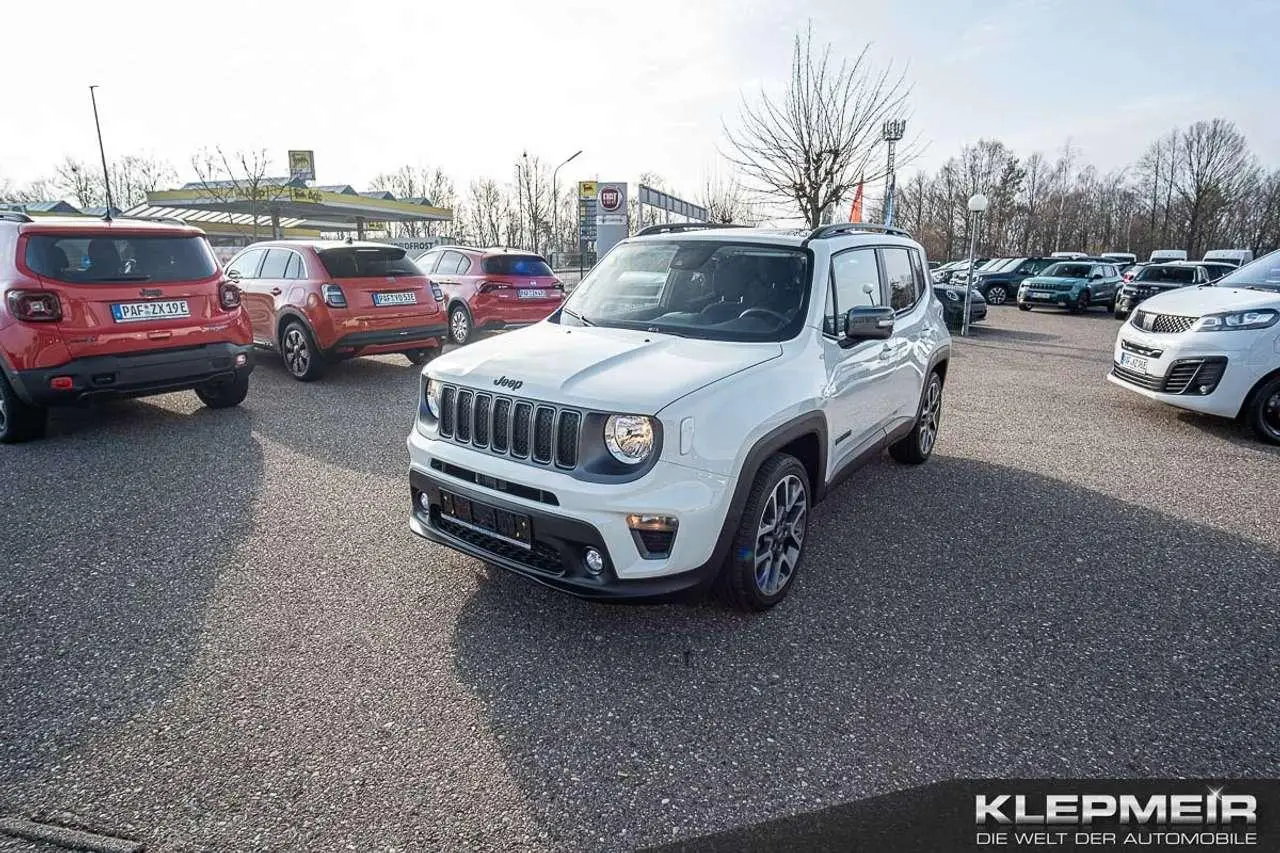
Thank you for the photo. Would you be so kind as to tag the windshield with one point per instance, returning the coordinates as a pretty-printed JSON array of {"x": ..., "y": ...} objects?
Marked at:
[
  {"x": 367, "y": 262},
  {"x": 1008, "y": 264},
  {"x": 529, "y": 265},
  {"x": 92, "y": 259},
  {"x": 697, "y": 288},
  {"x": 1167, "y": 275},
  {"x": 993, "y": 264},
  {"x": 1262, "y": 274},
  {"x": 1067, "y": 270}
]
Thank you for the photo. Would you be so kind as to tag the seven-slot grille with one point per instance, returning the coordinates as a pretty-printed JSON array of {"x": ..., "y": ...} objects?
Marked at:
[
  {"x": 528, "y": 431},
  {"x": 1165, "y": 324}
]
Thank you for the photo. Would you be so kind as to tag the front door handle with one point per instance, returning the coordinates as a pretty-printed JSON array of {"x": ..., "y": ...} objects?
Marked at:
[{"x": 275, "y": 291}]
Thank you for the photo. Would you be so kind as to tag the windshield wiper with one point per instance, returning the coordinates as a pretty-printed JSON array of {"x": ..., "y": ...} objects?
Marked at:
[{"x": 575, "y": 315}]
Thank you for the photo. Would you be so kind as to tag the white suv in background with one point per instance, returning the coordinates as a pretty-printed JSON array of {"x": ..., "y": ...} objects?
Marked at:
[
  {"x": 672, "y": 425},
  {"x": 1213, "y": 348}
]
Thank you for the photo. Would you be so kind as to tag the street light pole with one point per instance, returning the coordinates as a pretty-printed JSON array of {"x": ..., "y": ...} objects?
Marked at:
[
  {"x": 891, "y": 131},
  {"x": 555, "y": 202},
  {"x": 977, "y": 206}
]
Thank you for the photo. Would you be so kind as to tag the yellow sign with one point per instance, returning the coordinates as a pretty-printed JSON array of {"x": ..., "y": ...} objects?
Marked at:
[
  {"x": 302, "y": 165},
  {"x": 586, "y": 189}
]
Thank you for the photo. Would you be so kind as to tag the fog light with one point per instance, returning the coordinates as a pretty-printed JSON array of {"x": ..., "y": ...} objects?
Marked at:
[
  {"x": 424, "y": 501},
  {"x": 242, "y": 360},
  {"x": 595, "y": 561}
]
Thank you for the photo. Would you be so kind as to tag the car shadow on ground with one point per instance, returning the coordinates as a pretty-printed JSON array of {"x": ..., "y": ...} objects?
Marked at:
[
  {"x": 1234, "y": 431},
  {"x": 105, "y": 584},
  {"x": 957, "y": 619}
]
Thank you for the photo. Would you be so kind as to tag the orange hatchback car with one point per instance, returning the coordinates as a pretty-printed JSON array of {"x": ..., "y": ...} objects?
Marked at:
[{"x": 317, "y": 302}]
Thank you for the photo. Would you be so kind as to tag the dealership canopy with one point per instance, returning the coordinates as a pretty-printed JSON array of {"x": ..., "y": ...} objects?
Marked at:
[{"x": 329, "y": 208}]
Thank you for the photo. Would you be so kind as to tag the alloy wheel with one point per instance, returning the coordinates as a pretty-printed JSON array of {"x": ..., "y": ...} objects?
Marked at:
[
  {"x": 459, "y": 325},
  {"x": 4, "y": 412},
  {"x": 1270, "y": 415},
  {"x": 780, "y": 535},
  {"x": 930, "y": 417},
  {"x": 997, "y": 295},
  {"x": 297, "y": 355}
]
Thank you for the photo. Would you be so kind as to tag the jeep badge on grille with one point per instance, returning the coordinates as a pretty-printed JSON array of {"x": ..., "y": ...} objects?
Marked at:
[{"x": 513, "y": 384}]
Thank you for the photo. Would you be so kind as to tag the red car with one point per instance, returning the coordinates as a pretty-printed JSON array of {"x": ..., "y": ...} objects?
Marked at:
[
  {"x": 322, "y": 301},
  {"x": 94, "y": 308},
  {"x": 492, "y": 288}
]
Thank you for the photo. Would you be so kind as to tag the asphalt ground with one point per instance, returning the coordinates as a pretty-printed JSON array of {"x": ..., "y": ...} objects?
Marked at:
[{"x": 217, "y": 632}]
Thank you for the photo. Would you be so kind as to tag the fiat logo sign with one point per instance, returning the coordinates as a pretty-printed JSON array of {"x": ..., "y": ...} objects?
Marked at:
[{"x": 610, "y": 198}]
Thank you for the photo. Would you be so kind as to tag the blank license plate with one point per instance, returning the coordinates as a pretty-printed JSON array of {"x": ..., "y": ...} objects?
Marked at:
[
  {"x": 1040, "y": 294},
  {"x": 403, "y": 297},
  {"x": 1133, "y": 362},
  {"x": 132, "y": 312},
  {"x": 533, "y": 294},
  {"x": 511, "y": 526}
]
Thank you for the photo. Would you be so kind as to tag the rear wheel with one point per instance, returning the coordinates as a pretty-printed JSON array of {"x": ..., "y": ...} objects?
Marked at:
[
  {"x": 224, "y": 393},
  {"x": 1263, "y": 411},
  {"x": 997, "y": 294},
  {"x": 301, "y": 356},
  {"x": 917, "y": 446},
  {"x": 421, "y": 356},
  {"x": 19, "y": 420},
  {"x": 459, "y": 324},
  {"x": 769, "y": 542}
]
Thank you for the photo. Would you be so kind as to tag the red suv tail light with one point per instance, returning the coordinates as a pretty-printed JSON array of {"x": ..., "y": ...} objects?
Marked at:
[
  {"x": 333, "y": 296},
  {"x": 491, "y": 286},
  {"x": 35, "y": 306},
  {"x": 228, "y": 296}
]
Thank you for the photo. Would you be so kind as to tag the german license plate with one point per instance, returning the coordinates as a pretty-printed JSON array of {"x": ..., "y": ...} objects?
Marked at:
[
  {"x": 511, "y": 526},
  {"x": 1133, "y": 362},
  {"x": 1040, "y": 294},
  {"x": 529, "y": 293},
  {"x": 403, "y": 297},
  {"x": 133, "y": 312}
]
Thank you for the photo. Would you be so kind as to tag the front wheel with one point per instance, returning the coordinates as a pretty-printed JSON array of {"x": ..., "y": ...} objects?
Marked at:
[
  {"x": 19, "y": 420},
  {"x": 421, "y": 356},
  {"x": 224, "y": 393},
  {"x": 301, "y": 356},
  {"x": 1022, "y": 306},
  {"x": 997, "y": 294},
  {"x": 1263, "y": 412},
  {"x": 917, "y": 446},
  {"x": 1082, "y": 303},
  {"x": 459, "y": 324},
  {"x": 769, "y": 542},
  {"x": 1121, "y": 315}
]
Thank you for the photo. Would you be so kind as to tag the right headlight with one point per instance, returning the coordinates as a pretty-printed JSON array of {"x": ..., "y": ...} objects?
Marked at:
[
  {"x": 1233, "y": 320},
  {"x": 629, "y": 438},
  {"x": 434, "y": 389}
]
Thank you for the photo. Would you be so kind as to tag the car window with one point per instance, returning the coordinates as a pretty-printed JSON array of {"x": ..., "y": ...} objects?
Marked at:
[
  {"x": 855, "y": 282},
  {"x": 368, "y": 262},
  {"x": 1262, "y": 274},
  {"x": 427, "y": 262},
  {"x": 1167, "y": 275},
  {"x": 904, "y": 289},
  {"x": 91, "y": 258},
  {"x": 527, "y": 265},
  {"x": 449, "y": 262},
  {"x": 294, "y": 268},
  {"x": 1067, "y": 269},
  {"x": 273, "y": 266},
  {"x": 464, "y": 265},
  {"x": 247, "y": 264}
]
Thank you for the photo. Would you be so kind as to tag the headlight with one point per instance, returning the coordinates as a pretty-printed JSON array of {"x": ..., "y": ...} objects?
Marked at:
[
  {"x": 434, "y": 387},
  {"x": 629, "y": 438},
  {"x": 1232, "y": 320},
  {"x": 953, "y": 296}
]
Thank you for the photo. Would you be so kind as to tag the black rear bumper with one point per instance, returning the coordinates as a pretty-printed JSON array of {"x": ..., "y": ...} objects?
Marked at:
[
  {"x": 556, "y": 555},
  {"x": 132, "y": 375},
  {"x": 411, "y": 338}
]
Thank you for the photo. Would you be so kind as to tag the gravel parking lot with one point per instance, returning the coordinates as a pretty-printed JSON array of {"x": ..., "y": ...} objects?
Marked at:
[{"x": 219, "y": 634}]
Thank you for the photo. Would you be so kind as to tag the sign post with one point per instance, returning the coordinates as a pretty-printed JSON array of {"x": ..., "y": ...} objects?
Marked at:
[
  {"x": 611, "y": 215},
  {"x": 302, "y": 165},
  {"x": 587, "y": 192}
]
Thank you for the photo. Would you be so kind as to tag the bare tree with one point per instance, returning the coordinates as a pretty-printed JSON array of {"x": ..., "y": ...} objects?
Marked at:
[
  {"x": 240, "y": 177},
  {"x": 725, "y": 199},
  {"x": 487, "y": 211},
  {"x": 132, "y": 177},
  {"x": 409, "y": 182},
  {"x": 809, "y": 148},
  {"x": 1216, "y": 164}
]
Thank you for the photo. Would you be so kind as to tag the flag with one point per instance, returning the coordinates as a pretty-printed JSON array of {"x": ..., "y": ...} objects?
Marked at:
[{"x": 855, "y": 212}]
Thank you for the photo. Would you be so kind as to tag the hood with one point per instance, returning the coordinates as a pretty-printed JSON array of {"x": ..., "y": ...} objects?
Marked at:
[
  {"x": 1207, "y": 299},
  {"x": 597, "y": 368},
  {"x": 1051, "y": 280}
]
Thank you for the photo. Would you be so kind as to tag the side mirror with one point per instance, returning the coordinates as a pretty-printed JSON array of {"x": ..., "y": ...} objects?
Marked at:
[
  {"x": 234, "y": 276},
  {"x": 867, "y": 323}
]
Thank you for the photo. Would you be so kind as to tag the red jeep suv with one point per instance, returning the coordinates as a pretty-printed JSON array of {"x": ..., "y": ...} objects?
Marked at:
[
  {"x": 492, "y": 288},
  {"x": 94, "y": 308},
  {"x": 321, "y": 301}
]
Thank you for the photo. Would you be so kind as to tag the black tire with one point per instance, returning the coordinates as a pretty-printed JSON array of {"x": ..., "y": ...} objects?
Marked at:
[
  {"x": 421, "y": 356},
  {"x": 1022, "y": 306},
  {"x": 917, "y": 446},
  {"x": 1111, "y": 306},
  {"x": 997, "y": 294},
  {"x": 1262, "y": 412},
  {"x": 1120, "y": 315},
  {"x": 302, "y": 358},
  {"x": 224, "y": 393},
  {"x": 460, "y": 324},
  {"x": 780, "y": 479},
  {"x": 1082, "y": 303},
  {"x": 19, "y": 420}
]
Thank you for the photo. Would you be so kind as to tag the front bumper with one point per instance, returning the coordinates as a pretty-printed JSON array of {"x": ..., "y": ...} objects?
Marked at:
[
  {"x": 133, "y": 375},
  {"x": 568, "y": 515},
  {"x": 953, "y": 312},
  {"x": 1061, "y": 298},
  {"x": 1178, "y": 363}
]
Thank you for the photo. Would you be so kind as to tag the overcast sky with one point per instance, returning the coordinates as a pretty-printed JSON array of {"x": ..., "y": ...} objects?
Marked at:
[{"x": 641, "y": 86}]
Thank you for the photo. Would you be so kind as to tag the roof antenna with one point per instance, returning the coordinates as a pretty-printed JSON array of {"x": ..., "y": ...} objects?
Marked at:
[{"x": 106, "y": 176}]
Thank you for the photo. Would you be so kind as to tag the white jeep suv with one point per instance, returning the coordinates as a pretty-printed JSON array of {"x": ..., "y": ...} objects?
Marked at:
[
  {"x": 671, "y": 426},
  {"x": 1213, "y": 348}
]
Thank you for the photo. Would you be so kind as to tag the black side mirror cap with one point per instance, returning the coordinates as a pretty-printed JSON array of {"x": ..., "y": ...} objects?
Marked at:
[{"x": 867, "y": 323}]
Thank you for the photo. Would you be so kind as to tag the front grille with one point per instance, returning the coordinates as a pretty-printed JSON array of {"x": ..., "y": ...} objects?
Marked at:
[
  {"x": 1185, "y": 376},
  {"x": 1163, "y": 324},
  {"x": 533, "y": 432},
  {"x": 539, "y": 556},
  {"x": 1149, "y": 352},
  {"x": 1151, "y": 383}
]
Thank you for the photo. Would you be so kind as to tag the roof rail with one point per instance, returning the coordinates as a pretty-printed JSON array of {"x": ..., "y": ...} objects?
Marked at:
[
  {"x": 677, "y": 227},
  {"x": 15, "y": 216},
  {"x": 835, "y": 229}
]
